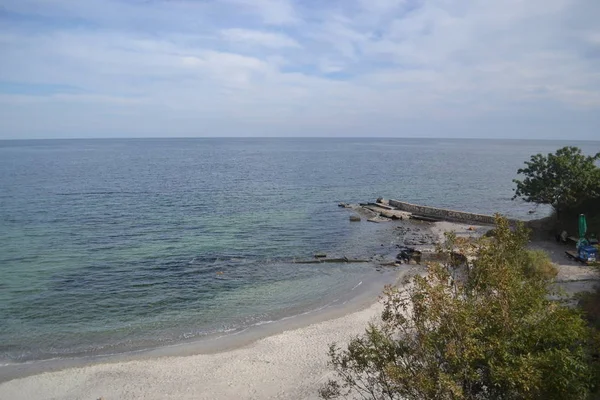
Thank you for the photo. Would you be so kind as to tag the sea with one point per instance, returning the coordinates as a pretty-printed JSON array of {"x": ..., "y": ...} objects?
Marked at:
[{"x": 109, "y": 246}]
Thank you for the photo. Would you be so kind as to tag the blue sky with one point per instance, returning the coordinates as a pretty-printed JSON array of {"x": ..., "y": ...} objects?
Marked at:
[{"x": 408, "y": 68}]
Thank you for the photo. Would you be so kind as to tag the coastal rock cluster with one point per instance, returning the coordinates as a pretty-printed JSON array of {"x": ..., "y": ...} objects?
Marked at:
[{"x": 414, "y": 236}]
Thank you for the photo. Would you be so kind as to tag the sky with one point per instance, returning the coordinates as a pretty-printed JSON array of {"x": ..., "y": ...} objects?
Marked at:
[{"x": 526, "y": 69}]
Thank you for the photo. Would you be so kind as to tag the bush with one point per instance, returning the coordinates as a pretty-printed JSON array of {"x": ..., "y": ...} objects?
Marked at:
[
  {"x": 488, "y": 332},
  {"x": 490, "y": 233},
  {"x": 590, "y": 304},
  {"x": 539, "y": 266}
]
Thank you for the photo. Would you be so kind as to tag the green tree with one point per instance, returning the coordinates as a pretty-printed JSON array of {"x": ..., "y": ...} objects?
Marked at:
[
  {"x": 563, "y": 180},
  {"x": 481, "y": 330}
]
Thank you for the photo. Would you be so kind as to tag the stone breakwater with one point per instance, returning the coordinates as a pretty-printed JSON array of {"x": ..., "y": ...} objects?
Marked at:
[{"x": 443, "y": 214}]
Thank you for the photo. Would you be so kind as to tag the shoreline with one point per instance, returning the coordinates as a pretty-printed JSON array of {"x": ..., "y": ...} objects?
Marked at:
[
  {"x": 289, "y": 365},
  {"x": 368, "y": 287},
  {"x": 86, "y": 377},
  {"x": 294, "y": 351},
  {"x": 367, "y": 293}
]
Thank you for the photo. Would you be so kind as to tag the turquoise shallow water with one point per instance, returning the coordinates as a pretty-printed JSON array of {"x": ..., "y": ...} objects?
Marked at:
[{"x": 111, "y": 245}]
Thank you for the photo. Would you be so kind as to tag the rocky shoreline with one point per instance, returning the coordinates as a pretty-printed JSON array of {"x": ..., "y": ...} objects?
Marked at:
[
  {"x": 414, "y": 236},
  {"x": 422, "y": 232}
]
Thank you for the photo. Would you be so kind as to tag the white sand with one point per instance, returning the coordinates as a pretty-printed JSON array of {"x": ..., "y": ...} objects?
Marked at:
[{"x": 289, "y": 365}]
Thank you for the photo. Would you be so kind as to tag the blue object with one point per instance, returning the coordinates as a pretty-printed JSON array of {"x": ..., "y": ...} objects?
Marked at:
[{"x": 588, "y": 253}]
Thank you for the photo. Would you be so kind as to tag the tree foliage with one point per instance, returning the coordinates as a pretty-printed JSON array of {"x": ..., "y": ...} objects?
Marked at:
[
  {"x": 563, "y": 180},
  {"x": 589, "y": 302},
  {"x": 481, "y": 330}
]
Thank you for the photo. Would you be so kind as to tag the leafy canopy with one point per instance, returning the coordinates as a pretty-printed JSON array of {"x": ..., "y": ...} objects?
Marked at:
[
  {"x": 481, "y": 330},
  {"x": 563, "y": 180}
]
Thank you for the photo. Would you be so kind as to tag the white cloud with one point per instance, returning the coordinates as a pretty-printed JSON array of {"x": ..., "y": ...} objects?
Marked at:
[
  {"x": 267, "y": 39},
  {"x": 356, "y": 67}
]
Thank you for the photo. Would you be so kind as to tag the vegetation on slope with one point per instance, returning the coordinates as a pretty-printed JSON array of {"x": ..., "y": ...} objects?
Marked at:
[{"x": 481, "y": 330}]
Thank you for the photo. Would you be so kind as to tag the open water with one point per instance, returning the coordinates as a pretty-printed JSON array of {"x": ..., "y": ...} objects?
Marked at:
[{"x": 113, "y": 245}]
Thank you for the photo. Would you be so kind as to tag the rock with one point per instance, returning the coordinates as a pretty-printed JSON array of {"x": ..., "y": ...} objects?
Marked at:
[
  {"x": 490, "y": 233},
  {"x": 425, "y": 218},
  {"x": 320, "y": 255},
  {"x": 408, "y": 254},
  {"x": 379, "y": 219},
  {"x": 389, "y": 264},
  {"x": 354, "y": 218},
  {"x": 389, "y": 215},
  {"x": 458, "y": 258},
  {"x": 344, "y": 205},
  {"x": 344, "y": 260},
  {"x": 379, "y": 200}
]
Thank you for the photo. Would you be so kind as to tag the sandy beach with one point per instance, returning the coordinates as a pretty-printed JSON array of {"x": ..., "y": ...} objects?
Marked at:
[{"x": 288, "y": 365}]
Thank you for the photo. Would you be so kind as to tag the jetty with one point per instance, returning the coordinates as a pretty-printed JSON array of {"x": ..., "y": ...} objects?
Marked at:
[{"x": 385, "y": 210}]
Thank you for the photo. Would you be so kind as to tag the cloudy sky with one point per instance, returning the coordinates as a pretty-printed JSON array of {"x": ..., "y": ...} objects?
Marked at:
[{"x": 409, "y": 68}]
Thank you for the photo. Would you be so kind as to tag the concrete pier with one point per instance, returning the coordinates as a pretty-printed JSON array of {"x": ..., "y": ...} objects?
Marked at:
[{"x": 444, "y": 214}]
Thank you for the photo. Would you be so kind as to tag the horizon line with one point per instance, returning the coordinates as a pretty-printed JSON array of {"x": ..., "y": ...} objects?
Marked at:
[{"x": 292, "y": 137}]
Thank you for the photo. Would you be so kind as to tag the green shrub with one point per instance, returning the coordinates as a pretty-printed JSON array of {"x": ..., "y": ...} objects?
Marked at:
[
  {"x": 489, "y": 332},
  {"x": 539, "y": 265}
]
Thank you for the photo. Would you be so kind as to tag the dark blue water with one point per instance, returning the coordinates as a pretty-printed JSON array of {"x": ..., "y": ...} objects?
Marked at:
[{"x": 109, "y": 245}]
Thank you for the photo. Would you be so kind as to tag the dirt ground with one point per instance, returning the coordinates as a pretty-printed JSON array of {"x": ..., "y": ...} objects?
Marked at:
[{"x": 573, "y": 277}]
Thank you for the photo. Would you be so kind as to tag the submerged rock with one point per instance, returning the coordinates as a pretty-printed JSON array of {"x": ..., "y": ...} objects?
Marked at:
[
  {"x": 354, "y": 218},
  {"x": 408, "y": 254}
]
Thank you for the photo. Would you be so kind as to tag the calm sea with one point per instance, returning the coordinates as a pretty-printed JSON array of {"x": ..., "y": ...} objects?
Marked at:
[{"x": 110, "y": 245}]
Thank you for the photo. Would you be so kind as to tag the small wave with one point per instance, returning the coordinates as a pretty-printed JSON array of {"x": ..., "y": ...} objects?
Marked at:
[
  {"x": 270, "y": 321},
  {"x": 357, "y": 285},
  {"x": 7, "y": 364}
]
